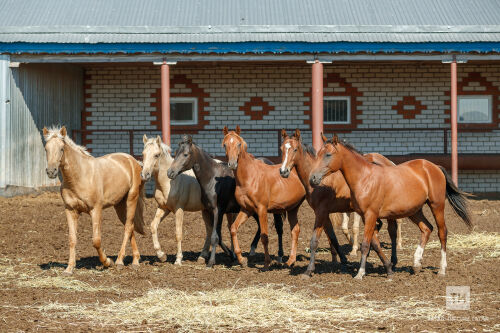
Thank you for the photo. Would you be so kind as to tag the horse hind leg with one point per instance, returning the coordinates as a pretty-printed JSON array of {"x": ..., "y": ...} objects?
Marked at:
[
  {"x": 207, "y": 219},
  {"x": 278, "y": 225},
  {"x": 355, "y": 235},
  {"x": 399, "y": 237},
  {"x": 426, "y": 228},
  {"x": 179, "y": 219},
  {"x": 392, "y": 228},
  {"x": 438, "y": 213},
  {"x": 96, "y": 216},
  {"x": 256, "y": 238},
  {"x": 129, "y": 229},
  {"x": 160, "y": 215},
  {"x": 345, "y": 227},
  {"x": 295, "y": 231}
]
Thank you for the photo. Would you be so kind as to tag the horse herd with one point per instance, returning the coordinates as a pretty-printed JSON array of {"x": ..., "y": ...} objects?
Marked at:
[{"x": 338, "y": 179}]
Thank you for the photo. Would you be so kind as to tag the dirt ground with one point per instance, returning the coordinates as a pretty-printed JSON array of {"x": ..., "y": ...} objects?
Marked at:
[{"x": 36, "y": 296}]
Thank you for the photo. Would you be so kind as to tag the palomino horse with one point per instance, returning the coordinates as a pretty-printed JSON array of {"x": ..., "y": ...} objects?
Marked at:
[
  {"x": 217, "y": 185},
  {"x": 332, "y": 196},
  {"x": 260, "y": 189},
  {"x": 177, "y": 196},
  {"x": 92, "y": 184},
  {"x": 391, "y": 192}
]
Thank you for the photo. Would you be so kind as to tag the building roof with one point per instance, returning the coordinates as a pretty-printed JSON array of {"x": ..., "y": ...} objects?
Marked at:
[{"x": 92, "y": 22}]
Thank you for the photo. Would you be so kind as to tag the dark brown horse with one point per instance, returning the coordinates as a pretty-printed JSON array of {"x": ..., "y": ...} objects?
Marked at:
[
  {"x": 332, "y": 196},
  {"x": 260, "y": 189},
  {"x": 392, "y": 192}
]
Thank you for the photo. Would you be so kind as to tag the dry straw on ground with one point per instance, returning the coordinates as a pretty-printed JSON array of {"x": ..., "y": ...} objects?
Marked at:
[
  {"x": 266, "y": 307},
  {"x": 487, "y": 243}
]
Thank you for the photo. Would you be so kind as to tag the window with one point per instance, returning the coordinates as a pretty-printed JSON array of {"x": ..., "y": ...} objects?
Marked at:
[
  {"x": 337, "y": 110},
  {"x": 183, "y": 110},
  {"x": 474, "y": 109}
]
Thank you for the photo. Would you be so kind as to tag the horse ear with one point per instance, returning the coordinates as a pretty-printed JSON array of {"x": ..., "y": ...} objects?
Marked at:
[
  {"x": 63, "y": 131},
  {"x": 335, "y": 139},
  {"x": 225, "y": 130},
  {"x": 283, "y": 134},
  {"x": 158, "y": 139},
  {"x": 238, "y": 129},
  {"x": 45, "y": 132},
  {"x": 189, "y": 139},
  {"x": 297, "y": 134},
  {"x": 323, "y": 137},
  {"x": 144, "y": 139}
]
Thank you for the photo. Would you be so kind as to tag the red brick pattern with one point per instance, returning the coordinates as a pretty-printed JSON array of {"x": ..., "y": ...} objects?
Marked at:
[
  {"x": 349, "y": 90},
  {"x": 406, "y": 112},
  {"x": 196, "y": 91},
  {"x": 487, "y": 89},
  {"x": 256, "y": 102}
]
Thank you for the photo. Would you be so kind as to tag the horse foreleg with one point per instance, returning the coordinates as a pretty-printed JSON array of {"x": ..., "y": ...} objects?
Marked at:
[
  {"x": 295, "y": 229},
  {"x": 72, "y": 218},
  {"x": 207, "y": 218},
  {"x": 355, "y": 235},
  {"x": 332, "y": 239},
  {"x": 375, "y": 243},
  {"x": 264, "y": 235},
  {"x": 230, "y": 220},
  {"x": 179, "y": 217},
  {"x": 135, "y": 250},
  {"x": 240, "y": 219},
  {"x": 278, "y": 225},
  {"x": 369, "y": 219},
  {"x": 400, "y": 240},
  {"x": 96, "y": 215},
  {"x": 215, "y": 236},
  {"x": 318, "y": 228},
  {"x": 159, "y": 216},
  {"x": 426, "y": 228},
  {"x": 256, "y": 238},
  {"x": 345, "y": 227},
  {"x": 391, "y": 227}
]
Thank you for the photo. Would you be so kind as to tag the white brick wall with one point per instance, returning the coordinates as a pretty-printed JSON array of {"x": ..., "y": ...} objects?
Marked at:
[{"x": 121, "y": 99}]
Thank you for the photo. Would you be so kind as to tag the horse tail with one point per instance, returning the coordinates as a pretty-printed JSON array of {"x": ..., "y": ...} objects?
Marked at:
[
  {"x": 139, "y": 211},
  {"x": 457, "y": 199}
]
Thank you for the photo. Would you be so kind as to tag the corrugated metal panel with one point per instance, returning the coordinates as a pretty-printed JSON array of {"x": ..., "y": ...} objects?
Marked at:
[
  {"x": 41, "y": 95},
  {"x": 4, "y": 114},
  {"x": 90, "y": 20},
  {"x": 250, "y": 37}
]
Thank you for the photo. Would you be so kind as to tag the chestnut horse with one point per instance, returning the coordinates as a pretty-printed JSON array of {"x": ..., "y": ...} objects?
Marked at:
[
  {"x": 332, "y": 196},
  {"x": 92, "y": 184},
  {"x": 260, "y": 189},
  {"x": 391, "y": 192},
  {"x": 177, "y": 196}
]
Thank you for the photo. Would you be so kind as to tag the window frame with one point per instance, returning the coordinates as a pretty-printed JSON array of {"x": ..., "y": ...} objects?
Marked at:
[
  {"x": 489, "y": 98},
  {"x": 194, "y": 101},
  {"x": 343, "y": 98}
]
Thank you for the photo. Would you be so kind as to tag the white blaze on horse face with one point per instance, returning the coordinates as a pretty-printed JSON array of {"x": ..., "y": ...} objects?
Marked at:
[
  {"x": 287, "y": 146},
  {"x": 231, "y": 140}
]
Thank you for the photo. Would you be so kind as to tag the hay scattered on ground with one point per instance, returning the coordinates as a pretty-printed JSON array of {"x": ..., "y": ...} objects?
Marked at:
[
  {"x": 488, "y": 244},
  {"x": 265, "y": 307},
  {"x": 26, "y": 275}
]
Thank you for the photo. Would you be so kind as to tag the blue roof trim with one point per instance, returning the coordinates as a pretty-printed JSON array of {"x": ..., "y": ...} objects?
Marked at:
[{"x": 248, "y": 47}]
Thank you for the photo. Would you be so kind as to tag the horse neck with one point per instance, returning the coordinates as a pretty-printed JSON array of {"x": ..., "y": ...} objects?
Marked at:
[
  {"x": 244, "y": 164},
  {"x": 353, "y": 166},
  {"x": 304, "y": 166},
  {"x": 73, "y": 165},
  {"x": 163, "y": 164},
  {"x": 207, "y": 164}
]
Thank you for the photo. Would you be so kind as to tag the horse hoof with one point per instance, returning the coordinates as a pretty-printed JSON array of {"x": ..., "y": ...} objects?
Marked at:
[
  {"x": 68, "y": 272},
  {"x": 108, "y": 263},
  {"x": 210, "y": 264},
  {"x": 135, "y": 266},
  {"x": 359, "y": 277},
  {"x": 353, "y": 253},
  {"x": 252, "y": 252},
  {"x": 243, "y": 262},
  {"x": 178, "y": 262},
  {"x": 201, "y": 260},
  {"x": 306, "y": 275},
  {"x": 442, "y": 274},
  {"x": 280, "y": 260},
  {"x": 290, "y": 263},
  {"x": 162, "y": 258},
  {"x": 119, "y": 266},
  {"x": 417, "y": 269}
]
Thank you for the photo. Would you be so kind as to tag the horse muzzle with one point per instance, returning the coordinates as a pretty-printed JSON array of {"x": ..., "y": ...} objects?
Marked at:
[
  {"x": 232, "y": 165},
  {"x": 285, "y": 172},
  {"x": 315, "y": 179},
  {"x": 51, "y": 172},
  {"x": 146, "y": 176},
  {"x": 171, "y": 174}
]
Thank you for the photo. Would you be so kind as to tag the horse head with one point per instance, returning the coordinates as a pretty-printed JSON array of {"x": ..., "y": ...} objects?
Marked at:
[
  {"x": 233, "y": 144},
  {"x": 54, "y": 149},
  {"x": 327, "y": 161},
  {"x": 184, "y": 157},
  {"x": 291, "y": 148},
  {"x": 151, "y": 154}
]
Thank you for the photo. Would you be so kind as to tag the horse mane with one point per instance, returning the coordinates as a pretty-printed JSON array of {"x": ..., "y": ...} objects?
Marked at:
[
  {"x": 310, "y": 150},
  {"x": 350, "y": 147},
  {"x": 55, "y": 132}
]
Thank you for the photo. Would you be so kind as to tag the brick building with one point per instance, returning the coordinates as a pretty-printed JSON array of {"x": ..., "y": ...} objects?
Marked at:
[{"x": 386, "y": 78}]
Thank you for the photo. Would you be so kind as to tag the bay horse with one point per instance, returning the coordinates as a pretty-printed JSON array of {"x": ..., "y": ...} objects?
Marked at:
[
  {"x": 391, "y": 192},
  {"x": 217, "y": 184},
  {"x": 332, "y": 196},
  {"x": 177, "y": 196},
  {"x": 259, "y": 190},
  {"x": 92, "y": 184}
]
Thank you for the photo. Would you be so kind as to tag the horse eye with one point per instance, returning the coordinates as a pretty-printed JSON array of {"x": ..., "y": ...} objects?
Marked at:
[
  {"x": 295, "y": 150},
  {"x": 185, "y": 155},
  {"x": 157, "y": 155},
  {"x": 239, "y": 145},
  {"x": 328, "y": 154}
]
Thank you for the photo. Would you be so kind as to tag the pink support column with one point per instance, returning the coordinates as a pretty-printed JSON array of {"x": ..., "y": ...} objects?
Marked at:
[
  {"x": 165, "y": 102},
  {"x": 454, "y": 131},
  {"x": 317, "y": 104}
]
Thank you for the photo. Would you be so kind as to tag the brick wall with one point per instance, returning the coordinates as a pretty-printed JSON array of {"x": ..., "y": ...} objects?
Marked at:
[{"x": 399, "y": 96}]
